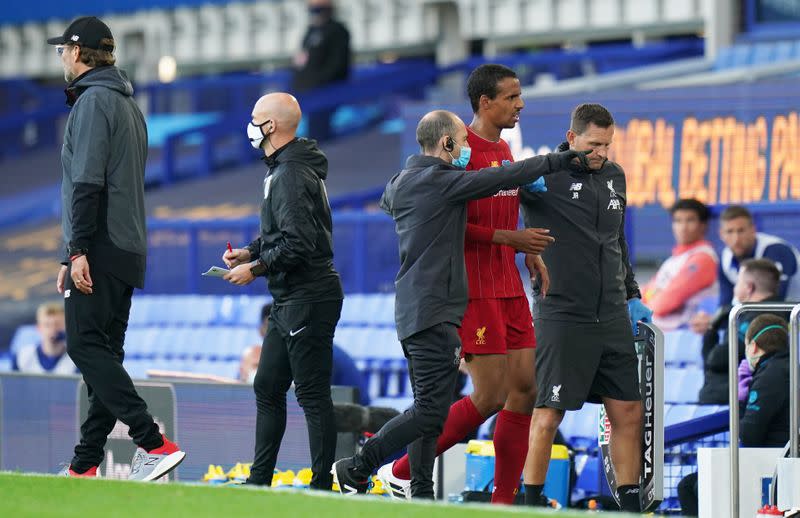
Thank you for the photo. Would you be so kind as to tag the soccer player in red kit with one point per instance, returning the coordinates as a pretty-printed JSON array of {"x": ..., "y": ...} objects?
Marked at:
[{"x": 497, "y": 336}]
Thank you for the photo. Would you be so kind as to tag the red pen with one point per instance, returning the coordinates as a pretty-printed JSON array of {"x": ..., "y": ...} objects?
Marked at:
[{"x": 229, "y": 247}]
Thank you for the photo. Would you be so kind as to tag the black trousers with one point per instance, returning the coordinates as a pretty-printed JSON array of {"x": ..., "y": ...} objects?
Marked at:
[
  {"x": 96, "y": 326},
  {"x": 298, "y": 346},
  {"x": 433, "y": 356}
]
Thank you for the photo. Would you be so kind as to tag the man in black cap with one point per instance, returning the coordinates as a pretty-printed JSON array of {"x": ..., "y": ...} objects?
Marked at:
[{"x": 103, "y": 220}]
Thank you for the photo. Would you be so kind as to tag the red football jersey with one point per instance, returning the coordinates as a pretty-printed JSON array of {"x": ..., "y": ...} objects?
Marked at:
[{"x": 491, "y": 270}]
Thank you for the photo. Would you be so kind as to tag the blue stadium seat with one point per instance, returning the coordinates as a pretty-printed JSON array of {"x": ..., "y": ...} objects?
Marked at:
[
  {"x": 368, "y": 309},
  {"x": 784, "y": 50},
  {"x": 738, "y": 55},
  {"x": 137, "y": 368},
  {"x": 763, "y": 53},
  {"x": 678, "y": 413},
  {"x": 581, "y": 426},
  {"x": 5, "y": 363},
  {"x": 682, "y": 384},
  {"x": 682, "y": 347}
]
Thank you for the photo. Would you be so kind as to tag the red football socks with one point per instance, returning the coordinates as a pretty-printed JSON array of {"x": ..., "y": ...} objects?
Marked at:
[{"x": 510, "y": 449}]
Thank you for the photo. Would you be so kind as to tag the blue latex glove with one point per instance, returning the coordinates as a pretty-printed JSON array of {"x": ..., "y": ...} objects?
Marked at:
[
  {"x": 639, "y": 313},
  {"x": 537, "y": 186}
]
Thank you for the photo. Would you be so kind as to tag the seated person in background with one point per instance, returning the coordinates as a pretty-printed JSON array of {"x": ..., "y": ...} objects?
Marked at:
[
  {"x": 742, "y": 242},
  {"x": 49, "y": 356},
  {"x": 345, "y": 372},
  {"x": 763, "y": 396},
  {"x": 764, "y": 384},
  {"x": 757, "y": 282},
  {"x": 689, "y": 275}
]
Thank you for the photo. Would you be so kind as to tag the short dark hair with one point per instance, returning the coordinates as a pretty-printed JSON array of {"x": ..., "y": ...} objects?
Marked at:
[
  {"x": 700, "y": 208},
  {"x": 735, "y": 211},
  {"x": 771, "y": 340},
  {"x": 587, "y": 113},
  {"x": 434, "y": 126},
  {"x": 483, "y": 81},
  {"x": 266, "y": 309},
  {"x": 98, "y": 58},
  {"x": 765, "y": 274}
]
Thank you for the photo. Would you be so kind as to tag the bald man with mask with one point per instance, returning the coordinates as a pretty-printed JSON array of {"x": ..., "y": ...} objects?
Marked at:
[{"x": 294, "y": 251}]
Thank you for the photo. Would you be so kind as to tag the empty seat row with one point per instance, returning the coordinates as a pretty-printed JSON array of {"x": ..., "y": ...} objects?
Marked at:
[
  {"x": 753, "y": 54},
  {"x": 187, "y": 310}
]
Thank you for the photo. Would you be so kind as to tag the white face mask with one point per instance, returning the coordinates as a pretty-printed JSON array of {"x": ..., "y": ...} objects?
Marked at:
[
  {"x": 255, "y": 134},
  {"x": 251, "y": 378}
]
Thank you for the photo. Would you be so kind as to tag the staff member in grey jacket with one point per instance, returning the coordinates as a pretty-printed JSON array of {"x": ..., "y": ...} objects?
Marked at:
[
  {"x": 103, "y": 220},
  {"x": 428, "y": 202},
  {"x": 295, "y": 252},
  {"x": 585, "y": 350}
]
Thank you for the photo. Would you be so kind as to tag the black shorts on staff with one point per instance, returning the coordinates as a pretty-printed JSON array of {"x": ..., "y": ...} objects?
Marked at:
[{"x": 585, "y": 362}]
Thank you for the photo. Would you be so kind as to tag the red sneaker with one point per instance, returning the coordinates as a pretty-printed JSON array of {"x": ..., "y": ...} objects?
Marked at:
[
  {"x": 89, "y": 473},
  {"x": 166, "y": 448}
]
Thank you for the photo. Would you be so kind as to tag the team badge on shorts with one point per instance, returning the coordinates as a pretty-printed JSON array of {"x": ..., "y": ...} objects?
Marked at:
[
  {"x": 480, "y": 336},
  {"x": 556, "y": 396}
]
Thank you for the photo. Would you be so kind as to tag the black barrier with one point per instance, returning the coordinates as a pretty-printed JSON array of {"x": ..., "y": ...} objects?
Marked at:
[{"x": 650, "y": 349}]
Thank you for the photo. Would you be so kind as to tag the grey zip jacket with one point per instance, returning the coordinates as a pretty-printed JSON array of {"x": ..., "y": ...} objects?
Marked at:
[
  {"x": 591, "y": 277},
  {"x": 103, "y": 160},
  {"x": 428, "y": 202}
]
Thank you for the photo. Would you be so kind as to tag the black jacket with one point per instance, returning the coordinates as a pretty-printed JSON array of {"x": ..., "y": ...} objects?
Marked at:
[
  {"x": 715, "y": 354},
  {"x": 428, "y": 202},
  {"x": 591, "y": 278},
  {"x": 328, "y": 48},
  {"x": 765, "y": 417},
  {"x": 296, "y": 246}
]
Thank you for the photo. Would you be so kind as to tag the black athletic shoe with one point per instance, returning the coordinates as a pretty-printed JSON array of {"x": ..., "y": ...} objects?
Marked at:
[
  {"x": 347, "y": 479},
  {"x": 542, "y": 501}
]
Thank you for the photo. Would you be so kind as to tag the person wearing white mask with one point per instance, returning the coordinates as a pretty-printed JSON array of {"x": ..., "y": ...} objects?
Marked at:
[
  {"x": 763, "y": 395},
  {"x": 294, "y": 252},
  {"x": 764, "y": 383}
]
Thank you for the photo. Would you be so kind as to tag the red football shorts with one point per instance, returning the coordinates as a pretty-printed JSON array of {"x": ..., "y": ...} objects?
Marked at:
[{"x": 493, "y": 326}]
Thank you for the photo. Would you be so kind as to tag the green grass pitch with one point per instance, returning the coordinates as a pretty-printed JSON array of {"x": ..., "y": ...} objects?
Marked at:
[{"x": 42, "y": 496}]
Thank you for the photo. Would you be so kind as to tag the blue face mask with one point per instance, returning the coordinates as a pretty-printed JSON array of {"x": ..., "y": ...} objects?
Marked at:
[{"x": 463, "y": 158}]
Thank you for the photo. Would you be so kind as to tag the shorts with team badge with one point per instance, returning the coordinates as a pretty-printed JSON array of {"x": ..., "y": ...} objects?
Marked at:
[
  {"x": 495, "y": 326},
  {"x": 585, "y": 362}
]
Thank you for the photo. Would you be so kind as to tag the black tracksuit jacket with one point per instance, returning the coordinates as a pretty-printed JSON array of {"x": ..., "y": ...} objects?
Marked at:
[
  {"x": 296, "y": 243},
  {"x": 591, "y": 277}
]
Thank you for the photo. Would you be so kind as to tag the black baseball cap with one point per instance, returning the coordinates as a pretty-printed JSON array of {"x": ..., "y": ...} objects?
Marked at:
[{"x": 86, "y": 32}]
